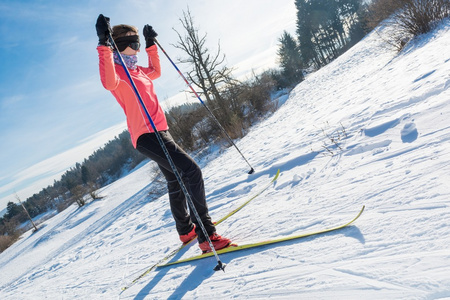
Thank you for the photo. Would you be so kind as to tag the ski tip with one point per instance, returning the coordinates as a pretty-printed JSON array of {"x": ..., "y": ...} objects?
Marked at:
[
  {"x": 251, "y": 171},
  {"x": 276, "y": 175}
]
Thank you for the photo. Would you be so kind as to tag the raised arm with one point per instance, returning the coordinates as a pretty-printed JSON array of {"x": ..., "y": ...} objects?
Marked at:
[
  {"x": 108, "y": 76},
  {"x": 107, "y": 72},
  {"x": 154, "y": 68}
]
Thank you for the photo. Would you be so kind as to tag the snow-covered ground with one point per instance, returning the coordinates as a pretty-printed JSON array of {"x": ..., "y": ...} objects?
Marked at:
[{"x": 372, "y": 128}]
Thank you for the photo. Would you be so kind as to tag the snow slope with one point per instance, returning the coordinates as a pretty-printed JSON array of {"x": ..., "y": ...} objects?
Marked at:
[{"x": 370, "y": 128}]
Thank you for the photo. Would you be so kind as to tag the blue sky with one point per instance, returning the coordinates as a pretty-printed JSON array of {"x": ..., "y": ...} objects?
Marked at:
[{"x": 53, "y": 108}]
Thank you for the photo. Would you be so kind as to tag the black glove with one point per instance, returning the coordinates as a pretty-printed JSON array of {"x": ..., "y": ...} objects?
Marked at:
[
  {"x": 103, "y": 30},
  {"x": 149, "y": 35}
]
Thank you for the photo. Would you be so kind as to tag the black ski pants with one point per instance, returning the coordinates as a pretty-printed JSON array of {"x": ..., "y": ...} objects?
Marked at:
[{"x": 192, "y": 178}]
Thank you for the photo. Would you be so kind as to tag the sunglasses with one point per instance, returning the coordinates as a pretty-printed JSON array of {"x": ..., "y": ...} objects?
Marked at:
[{"x": 131, "y": 41}]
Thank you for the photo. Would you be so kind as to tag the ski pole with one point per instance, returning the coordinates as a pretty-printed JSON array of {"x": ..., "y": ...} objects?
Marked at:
[
  {"x": 220, "y": 265},
  {"x": 207, "y": 108}
]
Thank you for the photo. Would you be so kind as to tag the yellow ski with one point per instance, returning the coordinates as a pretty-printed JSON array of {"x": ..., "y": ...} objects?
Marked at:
[{"x": 259, "y": 244}]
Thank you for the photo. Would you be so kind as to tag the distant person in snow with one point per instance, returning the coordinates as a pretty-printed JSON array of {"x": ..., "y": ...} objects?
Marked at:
[{"x": 114, "y": 79}]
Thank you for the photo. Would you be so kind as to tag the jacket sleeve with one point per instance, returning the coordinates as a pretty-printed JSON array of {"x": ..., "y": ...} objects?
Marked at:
[
  {"x": 108, "y": 76},
  {"x": 154, "y": 68}
]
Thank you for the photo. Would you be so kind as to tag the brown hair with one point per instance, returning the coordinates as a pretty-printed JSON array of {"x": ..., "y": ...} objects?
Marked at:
[{"x": 122, "y": 30}]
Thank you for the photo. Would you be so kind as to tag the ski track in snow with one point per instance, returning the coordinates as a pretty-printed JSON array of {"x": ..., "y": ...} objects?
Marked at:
[{"x": 388, "y": 113}]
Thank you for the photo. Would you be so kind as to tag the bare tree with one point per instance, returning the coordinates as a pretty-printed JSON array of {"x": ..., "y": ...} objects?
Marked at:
[
  {"x": 208, "y": 71},
  {"x": 406, "y": 18},
  {"x": 78, "y": 194},
  {"x": 210, "y": 75},
  {"x": 26, "y": 211}
]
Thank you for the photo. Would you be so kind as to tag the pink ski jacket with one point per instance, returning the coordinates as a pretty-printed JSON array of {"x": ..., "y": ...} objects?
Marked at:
[{"x": 115, "y": 80}]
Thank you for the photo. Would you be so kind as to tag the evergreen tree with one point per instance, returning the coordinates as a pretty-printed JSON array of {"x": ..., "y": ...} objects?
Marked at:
[
  {"x": 85, "y": 174},
  {"x": 304, "y": 32},
  {"x": 290, "y": 60},
  {"x": 12, "y": 210},
  {"x": 324, "y": 28}
]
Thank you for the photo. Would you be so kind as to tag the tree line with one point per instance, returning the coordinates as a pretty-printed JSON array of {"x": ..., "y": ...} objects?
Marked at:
[{"x": 101, "y": 168}]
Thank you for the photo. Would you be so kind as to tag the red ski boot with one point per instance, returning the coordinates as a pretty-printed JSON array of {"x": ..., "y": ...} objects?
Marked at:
[
  {"x": 186, "y": 238},
  {"x": 218, "y": 242}
]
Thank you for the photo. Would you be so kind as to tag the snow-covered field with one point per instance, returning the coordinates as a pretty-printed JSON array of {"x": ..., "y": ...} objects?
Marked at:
[{"x": 372, "y": 128}]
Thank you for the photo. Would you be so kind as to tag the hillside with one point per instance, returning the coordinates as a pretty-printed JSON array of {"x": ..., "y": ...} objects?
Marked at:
[{"x": 370, "y": 129}]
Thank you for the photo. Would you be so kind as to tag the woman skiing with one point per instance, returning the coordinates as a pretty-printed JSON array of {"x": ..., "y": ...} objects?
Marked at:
[{"x": 114, "y": 79}]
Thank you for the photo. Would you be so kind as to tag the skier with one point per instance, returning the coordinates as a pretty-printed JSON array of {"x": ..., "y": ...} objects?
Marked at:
[{"x": 114, "y": 79}]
